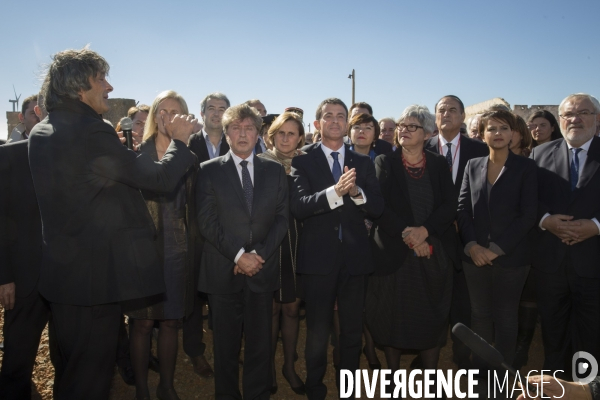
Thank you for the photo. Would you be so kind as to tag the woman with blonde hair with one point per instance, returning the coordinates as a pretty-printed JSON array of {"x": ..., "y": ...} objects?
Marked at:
[
  {"x": 286, "y": 134},
  {"x": 173, "y": 216}
]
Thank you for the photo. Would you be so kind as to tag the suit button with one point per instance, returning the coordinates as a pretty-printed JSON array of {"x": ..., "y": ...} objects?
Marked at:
[{"x": 336, "y": 228}]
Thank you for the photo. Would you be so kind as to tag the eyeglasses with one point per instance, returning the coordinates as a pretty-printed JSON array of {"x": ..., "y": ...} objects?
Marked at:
[
  {"x": 581, "y": 114},
  {"x": 409, "y": 127}
]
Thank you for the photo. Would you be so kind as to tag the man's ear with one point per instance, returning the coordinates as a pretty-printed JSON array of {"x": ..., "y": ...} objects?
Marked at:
[
  {"x": 317, "y": 125},
  {"x": 21, "y": 117}
]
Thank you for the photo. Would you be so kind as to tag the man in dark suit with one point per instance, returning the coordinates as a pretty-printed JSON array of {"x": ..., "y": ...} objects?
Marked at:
[
  {"x": 243, "y": 217},
  {"x": 334, "y": 190},
  {"x": 567, "y": 255},
  {"x": 98, "y": 244},
  {"x": 25, "y": 311},
  {"x": 458, "y": 149},
  {"x": 207, "y": 144}
]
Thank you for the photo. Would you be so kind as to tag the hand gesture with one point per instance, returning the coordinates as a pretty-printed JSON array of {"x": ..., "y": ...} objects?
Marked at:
[
  {"x": 249, "y": 264},
  {"x": 180, "y": 127},
  {"x": 480, "y": 255},
  {"x": 555, "y": 224},
  {"x": 423, "y": 250},
  {"x": 578, "y": 230},
  {"x": 7, "y": 295},
  {"x": 414, "y": 236},
  {"x": 136, "y": 141},
  {"x": 346, "y": 182}
]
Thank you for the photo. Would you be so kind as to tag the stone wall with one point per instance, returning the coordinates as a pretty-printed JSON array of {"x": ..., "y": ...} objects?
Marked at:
[
  {"x": 12, "y": 119},
  {"x": 478, "y": 108},
  {"x": 525, "y": 111},
  {"x": 118, "y": 109},
  {"x": 522, "y": 110}
]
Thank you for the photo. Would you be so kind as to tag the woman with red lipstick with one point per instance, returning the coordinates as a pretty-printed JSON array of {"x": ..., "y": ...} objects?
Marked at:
[
  {"x": 497, "y": 209},
  {"x": 363, "y": 131},
  {"x": 414, "y": 245}
]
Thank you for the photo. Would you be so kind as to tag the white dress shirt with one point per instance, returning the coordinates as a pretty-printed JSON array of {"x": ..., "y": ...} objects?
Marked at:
[
  {"x": 237, "y": 160},
  {"x": 213, "y": 151},
  {"x": 442, "y": 146},
  {"x": 334, "y": 200},
  {"x": 582, "y": 158}
]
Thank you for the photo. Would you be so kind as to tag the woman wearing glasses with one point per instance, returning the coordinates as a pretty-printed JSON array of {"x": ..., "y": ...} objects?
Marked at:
[
  {"x": 497, "y": 209},
  {"x": 408, "y": 298}
]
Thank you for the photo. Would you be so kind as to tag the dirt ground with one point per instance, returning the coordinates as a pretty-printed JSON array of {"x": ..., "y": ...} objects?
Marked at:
[{"x": 191, "y": 386}]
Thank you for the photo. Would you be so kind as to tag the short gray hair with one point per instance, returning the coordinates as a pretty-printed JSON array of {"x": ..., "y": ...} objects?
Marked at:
[
  {"x": 579, "y": 95},
  {"x": 69, "y": 73},
  {"x": 422, "y": 114},
  {"x": 215, "y": 95},
  {"x": 241, "y": 112},
  {"x": 387, "y": 119}
]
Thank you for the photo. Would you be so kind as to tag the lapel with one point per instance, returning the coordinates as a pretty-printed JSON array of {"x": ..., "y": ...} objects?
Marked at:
[
  {"x": 398, "y": 171},
  {"x": 224, "y": 146},
  {"x": 259, "y": 180},
  {"x": 349, "y": 160},
  {"x": 482, "y": 181},
  {"x": 560, "y": 156},
  {"x": 434, "y": 145},
  {"x": 202, "y": 149},
  {"x": 234, "y": 179},
  {"x": 318, "y": 157},
  {"x": 592, "y": 163}
]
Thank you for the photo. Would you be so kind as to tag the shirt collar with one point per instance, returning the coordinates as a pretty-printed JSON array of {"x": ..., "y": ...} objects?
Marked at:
[
  {"x": 585, "y": 147},
  {"x": 206, "y": 135},
  {"x": 237, "y": 160},
  {"x": 328, "y": 151},
  {"x": 454, "y": 141}
]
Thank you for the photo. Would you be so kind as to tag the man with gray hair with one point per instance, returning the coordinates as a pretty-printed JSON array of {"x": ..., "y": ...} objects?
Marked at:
[
  {"x": 98, "y": 239},
  {"x": 473, "y": 127},
  {"x": 567, "y": 252}
]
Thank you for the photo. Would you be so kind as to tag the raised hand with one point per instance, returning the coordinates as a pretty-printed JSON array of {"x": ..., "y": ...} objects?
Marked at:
[{"x": 346, "y": 182}]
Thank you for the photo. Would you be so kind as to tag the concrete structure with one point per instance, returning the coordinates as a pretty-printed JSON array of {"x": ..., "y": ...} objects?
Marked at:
[
  {"x": 522, "y": 110},
  {"x": 118, "y": 109},
  {"x": 12, "y": 119}
]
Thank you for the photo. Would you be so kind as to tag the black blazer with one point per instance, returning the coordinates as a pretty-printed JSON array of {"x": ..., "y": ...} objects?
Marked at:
[
  {"x": 320, "y": 233},
  {"x": 227, "y": 226},
  {"x": 555, "y": 197},
  {"x": 99, "y": 239},
  {"x": 383, "y": 147},
  {"x": 469, "y": 148},
  {"x": 197, "y": 144},
  {"x": 507, "y": 215},
  {"x": 20, "y": 222},
  {"x": 389, "y": 250}
]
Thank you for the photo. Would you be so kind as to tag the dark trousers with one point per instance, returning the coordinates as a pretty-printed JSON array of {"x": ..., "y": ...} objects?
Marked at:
[
  {"x": 233, "y": 314},
  {"x": 87, "y": 339},
  {"x": 320, "y": 293},
  {"x": 569, "y": 307},
  {"x": 460, "y": 311},
  {"x": 23, "y": 326},
  {"x": 192, "y": 329},
  {"x": 495, "y": 294}
]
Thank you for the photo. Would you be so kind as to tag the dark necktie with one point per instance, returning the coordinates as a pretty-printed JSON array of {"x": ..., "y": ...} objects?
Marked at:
[
  {"x": 449, "y": 155},
  {"x": 336, "y": 170},
  {"x": 247, "y": 185},
  {"x": 575, "y": 168}
]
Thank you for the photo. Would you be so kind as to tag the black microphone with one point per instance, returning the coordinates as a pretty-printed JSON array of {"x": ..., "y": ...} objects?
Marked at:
[
  {"x": 485, "y": 351},
  {"x": 126, "y": 127}
]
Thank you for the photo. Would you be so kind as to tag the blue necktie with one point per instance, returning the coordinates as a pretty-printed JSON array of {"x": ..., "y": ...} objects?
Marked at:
[
  {"x": 247, "y": 185},
  {"x": 337, "y": 173},
  {"x": 575, "y": 168},
  {"x": 449, "y": 155}
]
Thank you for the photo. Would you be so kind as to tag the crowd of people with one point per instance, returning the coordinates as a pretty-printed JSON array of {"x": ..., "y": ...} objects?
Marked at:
[{"x": 389, "y": 230}]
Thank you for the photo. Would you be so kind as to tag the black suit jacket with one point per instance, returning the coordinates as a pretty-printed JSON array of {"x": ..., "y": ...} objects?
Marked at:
[
  {"x": 197, "y": 144},
  {"x": 383, "y": 147},
  {"x": 99, "y": 239},
  {"x": 507, "y": 215},
  {"x": 389, "y": 249},
  {"x": 20, "y": 222},
  {"x": 469, "y": 148},
  {"x": 227, "y": 225},
  {"x": 555, "y": 197},
  {"x": 312, "y": 176}
]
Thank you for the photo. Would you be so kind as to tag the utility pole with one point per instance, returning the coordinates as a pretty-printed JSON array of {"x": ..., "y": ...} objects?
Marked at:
[{"x": 353, "y": 77}]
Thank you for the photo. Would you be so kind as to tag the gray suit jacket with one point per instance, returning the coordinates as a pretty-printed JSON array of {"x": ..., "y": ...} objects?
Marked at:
[{"x": 227, "y": 225}]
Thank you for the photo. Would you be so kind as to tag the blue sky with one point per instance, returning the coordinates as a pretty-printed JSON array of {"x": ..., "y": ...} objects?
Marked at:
[{"x": 296, "y": 53}]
